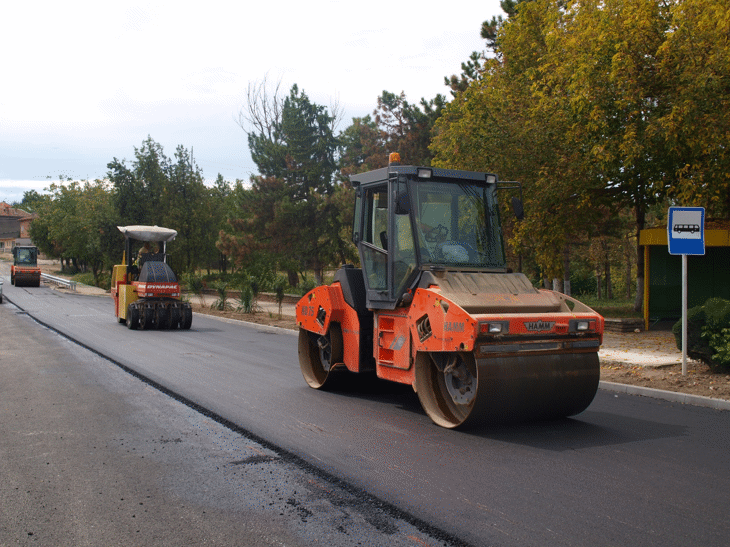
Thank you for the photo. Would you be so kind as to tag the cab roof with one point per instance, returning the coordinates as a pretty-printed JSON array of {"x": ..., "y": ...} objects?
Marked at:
[{"x": 148, "y": 233}]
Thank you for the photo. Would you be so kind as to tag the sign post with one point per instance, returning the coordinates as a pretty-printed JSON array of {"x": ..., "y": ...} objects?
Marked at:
[{"x": 686, "y": 236}]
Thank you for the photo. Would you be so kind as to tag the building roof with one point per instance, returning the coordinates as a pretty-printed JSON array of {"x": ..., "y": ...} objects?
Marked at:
[{"x": 7, "y": 211}]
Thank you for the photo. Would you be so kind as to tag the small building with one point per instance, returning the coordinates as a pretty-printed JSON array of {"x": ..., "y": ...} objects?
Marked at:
[
  {"x": 14, "y": 227},
  {"x": 707, "y": 275}
]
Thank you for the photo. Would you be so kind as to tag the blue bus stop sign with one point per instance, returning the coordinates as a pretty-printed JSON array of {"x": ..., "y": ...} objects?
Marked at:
[{"x": 686, "y": 230}]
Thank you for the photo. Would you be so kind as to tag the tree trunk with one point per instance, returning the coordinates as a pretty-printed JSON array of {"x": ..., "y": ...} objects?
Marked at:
[
  {"x": 557, "y": 284},
  {"x": 293, "y": 278},
  {"x": 609, "y": 282},
  {"x": 599, "y": 285}
]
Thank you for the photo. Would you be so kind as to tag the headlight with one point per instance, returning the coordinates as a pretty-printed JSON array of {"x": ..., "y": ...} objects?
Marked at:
[{"x": 493, "y": 327}]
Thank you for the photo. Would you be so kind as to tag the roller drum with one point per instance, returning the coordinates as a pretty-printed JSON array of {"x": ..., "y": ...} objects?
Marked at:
[
  {"x": 24, "y": 278},
  {"x": 318, "y": 356},
  {"x": 507, "y": 389}
]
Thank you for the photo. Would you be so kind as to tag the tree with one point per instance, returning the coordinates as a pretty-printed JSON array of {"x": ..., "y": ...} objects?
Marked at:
[
  {"x": 472, "y": 68},
  {"x": 77, "y": 222},
  {"x": 406, "y": 128},
  {"x": 617, "y": 99},
  {"x": 156, "y": 190},
  {"x": 287, "y": 212},
  {"x": 220, "y": 211},
  {"x": 694, "y": 69},
  {"x": 363, "y": 148},
  {"x": 185, "y": 207},
  {"x": 505, "y": 122},
  {"x": 32, "y": 200},
  {"x": 577, "y": 96}
]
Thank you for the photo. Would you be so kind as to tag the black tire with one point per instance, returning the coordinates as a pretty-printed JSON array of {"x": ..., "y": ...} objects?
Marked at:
[
  {"x": 175, "y": 316},
  {"x": 187, "y": 318},
  {"x": 162, "y": 317},
  {"x": 132, "y": 317},
  {"x": 147, "y": 317}
]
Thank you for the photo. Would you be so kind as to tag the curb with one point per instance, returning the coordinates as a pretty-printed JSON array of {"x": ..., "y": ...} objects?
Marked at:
[{"x": 671, "y": 396}]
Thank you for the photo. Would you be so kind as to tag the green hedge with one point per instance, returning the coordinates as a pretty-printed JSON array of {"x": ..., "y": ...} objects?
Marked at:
[{"x": 708, "y": 334}]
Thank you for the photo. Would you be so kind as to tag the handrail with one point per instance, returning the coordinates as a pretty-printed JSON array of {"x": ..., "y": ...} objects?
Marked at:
[{"x": 59, "y": 281}]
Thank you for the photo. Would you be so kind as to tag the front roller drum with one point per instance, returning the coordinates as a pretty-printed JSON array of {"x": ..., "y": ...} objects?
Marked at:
[
  {"x": 319, "y": 354},
  {"x": 26, "y": 279},
  {"x": 455, "y": 390}
]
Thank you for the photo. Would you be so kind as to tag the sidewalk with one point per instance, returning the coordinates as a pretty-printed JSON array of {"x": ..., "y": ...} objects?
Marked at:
[{"x": 654, "y": 348}]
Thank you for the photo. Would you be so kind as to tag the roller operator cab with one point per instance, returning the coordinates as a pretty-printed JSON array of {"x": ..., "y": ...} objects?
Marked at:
[
  {"x": 145, "y": 289},
  {"x": 435, "y": 306},
  {"x": 25, "y": 271}
]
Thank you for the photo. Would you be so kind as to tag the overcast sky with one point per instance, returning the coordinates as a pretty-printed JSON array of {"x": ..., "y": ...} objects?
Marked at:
[{"x": 85, "y": 82}]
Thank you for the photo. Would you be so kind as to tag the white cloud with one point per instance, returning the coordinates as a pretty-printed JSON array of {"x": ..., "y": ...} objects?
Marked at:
[{"x": 85, "y": 81}]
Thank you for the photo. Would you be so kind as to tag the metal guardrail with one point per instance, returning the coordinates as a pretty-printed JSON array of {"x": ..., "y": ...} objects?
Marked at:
[{"x": 59, "y": 281}]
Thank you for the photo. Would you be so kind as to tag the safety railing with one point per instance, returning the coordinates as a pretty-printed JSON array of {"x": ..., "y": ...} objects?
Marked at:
[{"x": 59, "y": 281}]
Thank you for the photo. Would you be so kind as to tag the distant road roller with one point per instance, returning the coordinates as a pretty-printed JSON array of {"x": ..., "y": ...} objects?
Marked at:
[
  {"x": 25, "y": 271},
  {"x": 145, "y": 289},
  {"x": 435, "y": 306}
]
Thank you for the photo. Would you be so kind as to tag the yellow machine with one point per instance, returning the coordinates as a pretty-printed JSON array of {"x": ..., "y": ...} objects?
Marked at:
[{"x": 145, "y": 289}]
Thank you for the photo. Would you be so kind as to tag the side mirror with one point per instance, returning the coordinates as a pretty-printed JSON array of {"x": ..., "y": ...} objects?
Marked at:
[{"x": 517, "y": 208}]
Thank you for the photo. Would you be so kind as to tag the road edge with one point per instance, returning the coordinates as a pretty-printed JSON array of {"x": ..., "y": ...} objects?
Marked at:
[{"x": 671, "y": 396}]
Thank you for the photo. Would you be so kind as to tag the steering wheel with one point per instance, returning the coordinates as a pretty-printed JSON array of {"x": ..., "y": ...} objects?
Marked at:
[{"x": 439, "y": 233}]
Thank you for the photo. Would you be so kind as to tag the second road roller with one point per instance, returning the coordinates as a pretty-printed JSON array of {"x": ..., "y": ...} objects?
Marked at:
[
  {"x": 435, "y": 306},
  {"x": 145, "y": 290}
]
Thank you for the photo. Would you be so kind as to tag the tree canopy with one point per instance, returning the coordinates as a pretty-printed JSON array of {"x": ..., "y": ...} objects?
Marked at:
[{"x": 590, "y": 104}]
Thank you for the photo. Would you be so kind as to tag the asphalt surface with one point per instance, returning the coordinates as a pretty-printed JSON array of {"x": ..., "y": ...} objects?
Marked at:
[
  {"x": 92, "y": 455},
  {"x": 628, "y": 471}
]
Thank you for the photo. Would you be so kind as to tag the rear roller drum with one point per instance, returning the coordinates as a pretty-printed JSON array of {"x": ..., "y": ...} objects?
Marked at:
[{"x": 318, "y": 355}]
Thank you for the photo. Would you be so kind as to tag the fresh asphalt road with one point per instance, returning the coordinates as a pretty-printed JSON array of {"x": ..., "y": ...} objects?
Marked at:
[{"x": 628, "y": 471}]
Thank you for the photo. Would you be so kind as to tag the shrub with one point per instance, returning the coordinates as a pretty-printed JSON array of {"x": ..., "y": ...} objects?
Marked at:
[
  {"x": 306, "y": 285},
  {"x": 279, "y": 291},
  {"x": 708, "y": 333},
  {"x": 222, "y": 303},
  {"x": 194, "y": 284},
  {"x": 248, "y": 300}
]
